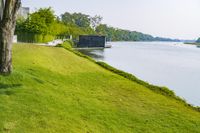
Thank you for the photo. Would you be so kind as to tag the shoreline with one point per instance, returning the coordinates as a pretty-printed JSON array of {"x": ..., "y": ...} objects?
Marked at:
[
  {"x": 188, "y": 43},
  {"x": 59, "y": 90},
  {"x": 157, "y": 89}
]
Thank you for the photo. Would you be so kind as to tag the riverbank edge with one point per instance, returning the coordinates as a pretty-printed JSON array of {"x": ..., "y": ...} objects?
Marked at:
[
  {"x": 157, "y": 89},
  {"x": 192, "y": 43}
]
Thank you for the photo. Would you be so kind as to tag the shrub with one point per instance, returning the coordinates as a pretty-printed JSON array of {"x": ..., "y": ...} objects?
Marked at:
[
  {"x": 34, "y": 38},
  {"x": 70, "y": 42}
]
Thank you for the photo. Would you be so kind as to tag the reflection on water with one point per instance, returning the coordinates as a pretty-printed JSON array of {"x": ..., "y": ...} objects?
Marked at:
[
  {"x": 174, "y": 65},
  {"x": 97, "y": 54}
]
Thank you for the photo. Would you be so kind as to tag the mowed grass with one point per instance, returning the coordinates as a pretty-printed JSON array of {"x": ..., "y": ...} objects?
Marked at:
[{"x": 53, "y": 90}]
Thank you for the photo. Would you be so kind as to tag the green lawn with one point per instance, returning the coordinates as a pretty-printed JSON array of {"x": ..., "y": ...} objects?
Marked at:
[{"x": 53, "y": 90}]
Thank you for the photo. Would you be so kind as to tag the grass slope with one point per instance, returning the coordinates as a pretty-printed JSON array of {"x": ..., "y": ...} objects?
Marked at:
[{"x": 54, "y": 90}]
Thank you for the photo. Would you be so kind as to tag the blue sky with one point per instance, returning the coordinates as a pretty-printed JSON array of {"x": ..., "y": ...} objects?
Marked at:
[{"x": 166, "y": 18}]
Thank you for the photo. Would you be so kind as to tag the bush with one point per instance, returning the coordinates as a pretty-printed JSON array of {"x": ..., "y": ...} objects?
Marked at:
[
  {"x": 70, "y": 42},
  {"x": 65, "y": 45},
  {"x": 34, "y": 38},
  {"x": 48, "y": 38}
]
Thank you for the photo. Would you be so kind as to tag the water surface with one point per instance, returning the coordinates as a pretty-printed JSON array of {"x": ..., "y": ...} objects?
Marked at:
[{"x": 170, "y": 64}]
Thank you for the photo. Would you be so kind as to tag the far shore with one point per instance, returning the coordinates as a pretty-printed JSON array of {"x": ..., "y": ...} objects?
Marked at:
[{"x": 192, "y": 43}]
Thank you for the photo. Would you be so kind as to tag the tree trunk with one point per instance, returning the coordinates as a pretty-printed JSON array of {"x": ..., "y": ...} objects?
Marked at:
[{"x": 7, "y": 28}]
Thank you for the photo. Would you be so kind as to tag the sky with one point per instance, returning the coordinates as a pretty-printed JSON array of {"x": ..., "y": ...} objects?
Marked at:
[{"x": 164, "y": 18}]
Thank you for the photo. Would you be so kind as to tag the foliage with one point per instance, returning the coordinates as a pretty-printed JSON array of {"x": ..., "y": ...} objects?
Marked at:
[
  {"x": 75, "y": 31},
  {"x": 38, "y": 22},
  {"x": 95, "y": 21},
  {"x": 34, "y": 38},
  {"x": 43, "y": 26},
  {"x": 81, "y": 20},
  {"x": 47, "y": 14},
  {"x": 166, "y": 39},
  {"x": 198, "y": 40},
  {"x": 67, "y": 18},
  {"x": 78, "y": 19},
  {"x": 68, "y": 44},
  {"x": 40, "y": 26},
  {"x": 116, "y": 34},
  {"x": 44, "y": 22}
]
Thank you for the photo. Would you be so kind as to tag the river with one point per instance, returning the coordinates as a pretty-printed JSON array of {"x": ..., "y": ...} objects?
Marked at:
[{"x": 171, "y": 64}]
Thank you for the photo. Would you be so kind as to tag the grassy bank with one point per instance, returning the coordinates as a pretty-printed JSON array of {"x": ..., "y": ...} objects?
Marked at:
[
  {"x": 68, "y": 45},
  {"x": 54, "y": 90}
]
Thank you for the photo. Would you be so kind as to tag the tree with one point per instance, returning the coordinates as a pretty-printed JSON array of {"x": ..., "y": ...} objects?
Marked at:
[
  {"x": 8, "y": 16},
  {"x": 95, "y": 21},
  {"x": 39, "y": 21},
  {"x": 81, "y": 20},
  {"x": 47, "y": 14},
  {"x": 67, "y": 18},
  {"x": 41, "y": 26},
  {"x": 198, "y": 40}
]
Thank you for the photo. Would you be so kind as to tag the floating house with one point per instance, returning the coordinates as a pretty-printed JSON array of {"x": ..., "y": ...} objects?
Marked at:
[{"x": 89, "y": 41}]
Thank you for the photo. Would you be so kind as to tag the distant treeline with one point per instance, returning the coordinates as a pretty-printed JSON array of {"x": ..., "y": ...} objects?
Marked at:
[
  {"x": 198, "y": 40},
  {"x": 44, "y": 26},
  {"x": 116, "y": 34}
]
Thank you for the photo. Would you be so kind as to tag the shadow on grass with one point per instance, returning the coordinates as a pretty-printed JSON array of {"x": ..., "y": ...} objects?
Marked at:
[
  {"x": 5, "y": 88},
  {"x": 9, "y": 86}
]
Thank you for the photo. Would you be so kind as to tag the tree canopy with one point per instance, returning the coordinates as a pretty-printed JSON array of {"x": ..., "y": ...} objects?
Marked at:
[{"x": 45, "y": 22}]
